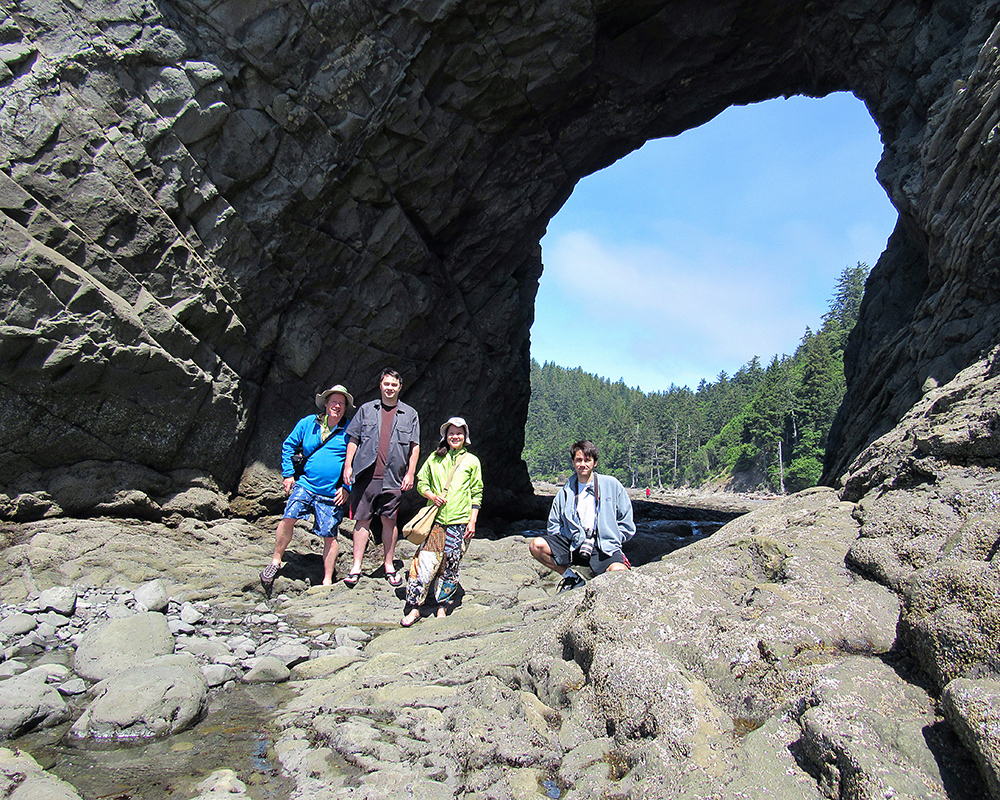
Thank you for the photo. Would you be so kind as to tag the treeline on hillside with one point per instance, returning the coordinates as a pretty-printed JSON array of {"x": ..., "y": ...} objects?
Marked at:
[{"x": 764, "y": 427}]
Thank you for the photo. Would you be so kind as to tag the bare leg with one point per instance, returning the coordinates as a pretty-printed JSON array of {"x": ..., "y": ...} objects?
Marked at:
[
  {"x": 616, "y": 567},
  {"x": 282, "y": 539},
  {"x": 361, "y": 530},
  {"x": 389, "y": 543},
  {"x": 442, "y": 612},
  {"x": 539, "y": 549},
  {"x": 331, "y": 548}
]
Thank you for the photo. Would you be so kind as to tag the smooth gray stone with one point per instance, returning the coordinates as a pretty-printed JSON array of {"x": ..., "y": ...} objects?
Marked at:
[
  {"x": 208, "y": 649},
  {"x": 218, "y": 674},
  {"x": 12, "y": 667},
  {"x": 267, "y": 669},
  {"x": 152, "y": 596},
  {"x": 289, "y": 651},
  {"x": 72, "y": 687},
  {"x": 121, "y": 644},
  {"x": 190, "y": 614},
  {"x": 61, "y": 599},
  {"x": 17, "y": 624},
  {"x": 27, "y": 702},
  {"x": 152, "y": 699},
  {"x": 351, "y": 636},
  {"x": 22, "y": 778}
]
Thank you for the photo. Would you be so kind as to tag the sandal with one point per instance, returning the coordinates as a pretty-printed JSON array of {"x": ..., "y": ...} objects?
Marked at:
[
  {"x": 394, "y": 578},
  {"x": 352, "y": 578},
  {"x": 409, "y": 619}
]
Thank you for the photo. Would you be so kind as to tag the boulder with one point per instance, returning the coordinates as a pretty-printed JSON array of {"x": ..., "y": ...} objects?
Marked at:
[
  {"x": 152, "y": 596},
  {"x": 973, "y": 709},
  {"x": 61, "y": 599},
  {"x": 22, "y": 778},
  {"x": 17, "y": 623},
  {"x": 122, "y": 644},
  {"x": 28, "y": 702},
  {"x": 268, "y": 669},
  {"x": 152, "y": 699}
]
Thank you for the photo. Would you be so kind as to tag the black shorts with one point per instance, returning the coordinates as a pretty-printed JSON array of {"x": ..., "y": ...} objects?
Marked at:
[
  {"x": 370, "y": 499},
  {"x": 598, "y": 561}
]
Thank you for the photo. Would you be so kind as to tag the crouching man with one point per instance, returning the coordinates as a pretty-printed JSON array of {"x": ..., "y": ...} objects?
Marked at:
[{"x": 590, "y": 521}]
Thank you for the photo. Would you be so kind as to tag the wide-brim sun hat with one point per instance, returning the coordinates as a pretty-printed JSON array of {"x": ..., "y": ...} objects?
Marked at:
[
  {"x": 338, "y": 389},
  {"x": 458, "y": 422}
]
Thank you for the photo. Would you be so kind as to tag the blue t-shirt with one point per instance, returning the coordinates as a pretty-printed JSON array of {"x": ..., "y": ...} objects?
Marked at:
[{"x": 325, "y": 468}]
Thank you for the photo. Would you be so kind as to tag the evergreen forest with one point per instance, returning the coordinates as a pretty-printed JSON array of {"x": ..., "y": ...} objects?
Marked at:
[{"x": 763, "y": 428}]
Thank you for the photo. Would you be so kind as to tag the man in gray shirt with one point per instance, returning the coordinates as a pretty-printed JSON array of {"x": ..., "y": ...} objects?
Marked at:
[{"x": 382, "y": 451}]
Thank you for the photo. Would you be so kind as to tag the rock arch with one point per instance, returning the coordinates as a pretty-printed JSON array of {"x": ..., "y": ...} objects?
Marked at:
[{"x": 212, "y": 208}]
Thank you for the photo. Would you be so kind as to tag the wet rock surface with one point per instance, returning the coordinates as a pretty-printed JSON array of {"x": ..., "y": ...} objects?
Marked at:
[{"x": 753, "y": 660}]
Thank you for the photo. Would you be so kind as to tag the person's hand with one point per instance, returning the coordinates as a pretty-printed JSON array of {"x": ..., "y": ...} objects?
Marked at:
[
  {"x": 470, "y": 531},
  {"x": 341, "y": 496},
  {"x": 407, "y": 483},
  {"x": 436, "y": 499},
  {"x": 348, "y": 475},
  {"x": 287, "y": 485}
]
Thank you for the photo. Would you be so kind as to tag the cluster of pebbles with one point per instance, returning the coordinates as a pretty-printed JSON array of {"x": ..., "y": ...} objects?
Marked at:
[{"x": 67, "y": 647}]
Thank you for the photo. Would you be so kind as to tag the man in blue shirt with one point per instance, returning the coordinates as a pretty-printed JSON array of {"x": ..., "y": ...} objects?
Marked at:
[
  {"x": 319, "y": 490},
  {"x": 589, "y": 522}
]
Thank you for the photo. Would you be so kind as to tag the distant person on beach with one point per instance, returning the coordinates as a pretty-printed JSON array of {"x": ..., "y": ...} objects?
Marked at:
[
  {"x": 382, "y": 452},
  {"x": 647, "y": 492},
  {"x": 590, "y": 521},
  {"x": 319, "y": 490},
  {"x": 452, "y": 479}
]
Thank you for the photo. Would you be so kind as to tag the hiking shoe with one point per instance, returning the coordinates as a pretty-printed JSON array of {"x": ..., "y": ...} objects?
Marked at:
[
  {"x": 570, "y": 581},
  {"x": 267, "y": 577}
]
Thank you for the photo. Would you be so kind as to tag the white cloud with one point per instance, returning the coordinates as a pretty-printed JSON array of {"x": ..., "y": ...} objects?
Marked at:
[
  {"x": 694, "y": 254},
  {"x": 724, "y": 304}
]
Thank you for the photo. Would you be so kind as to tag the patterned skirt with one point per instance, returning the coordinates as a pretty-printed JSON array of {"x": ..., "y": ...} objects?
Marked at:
[{"x": 436, "y": 564}]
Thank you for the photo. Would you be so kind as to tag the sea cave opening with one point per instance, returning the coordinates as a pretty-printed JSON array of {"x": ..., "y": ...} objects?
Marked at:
[{"x": 675, "y": 281}]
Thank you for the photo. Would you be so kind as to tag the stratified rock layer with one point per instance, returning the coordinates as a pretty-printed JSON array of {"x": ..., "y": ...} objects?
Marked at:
[{"x": 213, "y": 208}]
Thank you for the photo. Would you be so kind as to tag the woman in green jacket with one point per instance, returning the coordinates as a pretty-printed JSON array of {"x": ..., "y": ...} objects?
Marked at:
[{"x": 437, "y": 559}]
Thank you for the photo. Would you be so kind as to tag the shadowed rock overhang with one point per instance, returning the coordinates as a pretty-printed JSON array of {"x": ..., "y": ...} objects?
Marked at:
[{"x": 213, "y": 209}]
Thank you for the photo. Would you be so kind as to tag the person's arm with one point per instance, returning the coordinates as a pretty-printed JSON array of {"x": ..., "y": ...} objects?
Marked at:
[
  {"x": 352, "y": 448},
  {"x": 292, "y": 441},
  {"x": 476, "y": 495},
  {"x": 411, "y": 469},
  {"x": 554, "y": 525},
  {"x": 425, "y": 483},
  {"x": 470, "y": 528},
  {"x": 626, "y": 525}
]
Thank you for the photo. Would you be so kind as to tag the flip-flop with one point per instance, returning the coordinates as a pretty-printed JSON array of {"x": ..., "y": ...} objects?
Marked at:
[
  {"x": 407, "y": 621},
  {"x": 394, "y": 579},
  {"x": 352, "y": 578}
]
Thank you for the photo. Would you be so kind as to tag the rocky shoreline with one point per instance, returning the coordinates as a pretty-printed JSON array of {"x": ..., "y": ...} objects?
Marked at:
[
  {"x": 162, "y": 620},
  {"x": 750, "y": 663}
]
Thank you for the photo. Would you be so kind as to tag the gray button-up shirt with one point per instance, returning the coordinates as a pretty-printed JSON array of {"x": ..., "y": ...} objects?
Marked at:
[{"x": 365, "y": 429}]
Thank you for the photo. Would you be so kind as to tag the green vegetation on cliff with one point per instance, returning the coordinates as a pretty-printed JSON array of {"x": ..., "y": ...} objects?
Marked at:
[{"x": 764, "y": 427}]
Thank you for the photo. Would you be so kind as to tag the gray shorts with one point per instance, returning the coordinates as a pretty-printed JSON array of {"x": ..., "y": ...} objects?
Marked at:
[
  {"x": 598, "y": 561},
  {"x": 370, "y": 499}
]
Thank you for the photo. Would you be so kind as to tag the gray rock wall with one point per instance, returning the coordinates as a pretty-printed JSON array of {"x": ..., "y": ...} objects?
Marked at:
[{"x": 213, "y": 209}]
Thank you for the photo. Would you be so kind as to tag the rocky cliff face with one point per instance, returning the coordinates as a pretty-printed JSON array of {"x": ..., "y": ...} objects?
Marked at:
[{"x": 211, "y": 209}]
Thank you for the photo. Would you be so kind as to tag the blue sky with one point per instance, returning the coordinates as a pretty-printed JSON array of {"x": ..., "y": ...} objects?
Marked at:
[{"x": 696, "y": 253}]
